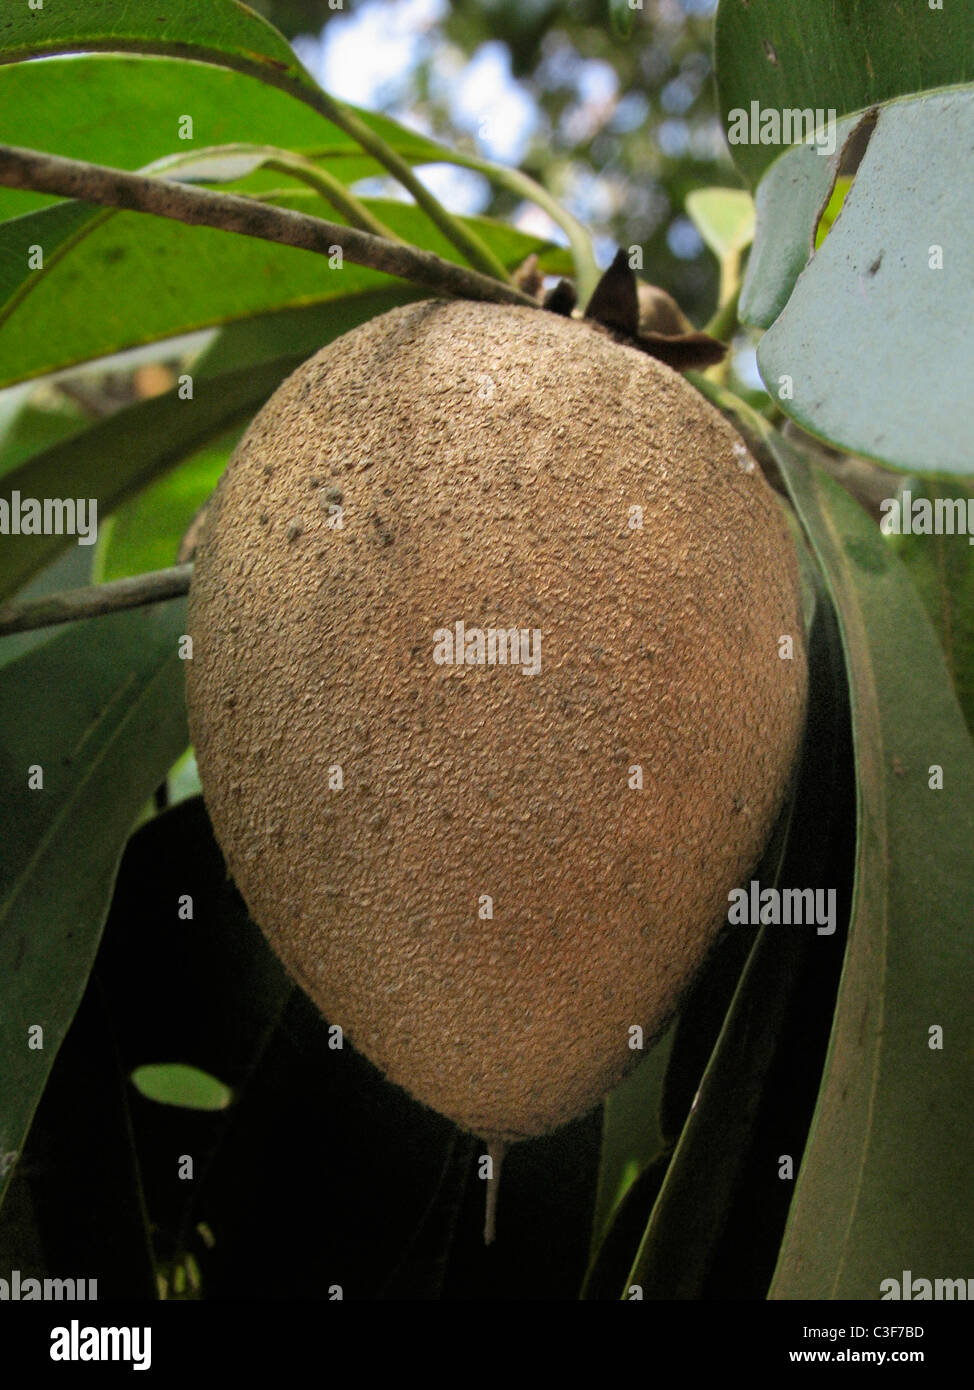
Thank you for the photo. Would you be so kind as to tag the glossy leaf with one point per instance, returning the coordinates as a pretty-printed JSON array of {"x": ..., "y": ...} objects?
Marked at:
[
  {"x": 134, "y": 279},
  {"x": 886, "y": 1181},
  {"x": 221, "y": 32},
  {"x": 82, "y": 107},
  {"x": 100, "y": 712}
]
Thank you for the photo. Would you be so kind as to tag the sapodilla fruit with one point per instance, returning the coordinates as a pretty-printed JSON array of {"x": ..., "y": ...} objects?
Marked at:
[{"x": 491, "y": 872}]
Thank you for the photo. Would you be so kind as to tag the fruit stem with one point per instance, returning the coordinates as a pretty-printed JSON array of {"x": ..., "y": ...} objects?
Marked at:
[
  {"x": 724, "y": 323},
  {"x": 496, "y": 1149}
]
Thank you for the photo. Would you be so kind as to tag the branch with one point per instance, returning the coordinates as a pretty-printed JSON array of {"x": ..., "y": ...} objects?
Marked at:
[
  {"x": 200, "y": 207},
  {"x": 94, "y": 601}
]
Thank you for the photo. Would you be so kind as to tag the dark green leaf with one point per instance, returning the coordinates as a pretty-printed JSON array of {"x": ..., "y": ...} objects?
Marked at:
[
  {"x": 115, "y": 458},
  {"x": 846, "y": 57},
  {"x": 135, "y": 279},
  {"x": 100, "y": 710},
  {"x": 146, "y": 533},
  {"x": 716, "y": 1223},
  {"x": 82, "y": 1198},
  {"x": 887, "y": 1177},
  {"x": 631, "y": 1134},
  {"x": 31, "y": 428},
  {"x": 942, "y": 568}
]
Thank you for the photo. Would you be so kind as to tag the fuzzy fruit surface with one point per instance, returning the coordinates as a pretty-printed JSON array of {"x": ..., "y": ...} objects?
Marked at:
[{"x": 490, "y": 903}]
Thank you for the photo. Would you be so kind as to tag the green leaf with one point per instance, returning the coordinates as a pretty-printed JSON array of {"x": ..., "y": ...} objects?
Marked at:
[
  {"x": 82, "y": 107},
  {"x": 818, "y": 55},
  {"x": 942, "y": 568},
  {"x": 101, "y": 711},
  {"x": 724, "y": 217},
  {"x": 113, "y": 459},
  {"x": 70, "y": 570},
  {"x": 723, "y": 1177},
  {"x": 146, "y": 533},
  {"x": 119, "y": 280},
  {"x": 875, "y": 337},
  {"x": 228, "y": 34},
  {"x": 621, "y": 17},
  {"x": 631, "y": 1134},
  {"x": 221, "y": 31},
  {"x": 32, "y": 428},
  {"x": 887, "y": 1177},
  {"x": 175, "y": 1083},
  {"x": 788, "y": 203}
]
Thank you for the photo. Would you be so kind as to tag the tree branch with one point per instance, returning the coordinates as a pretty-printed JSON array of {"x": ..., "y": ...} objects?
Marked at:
[
  {"x": 94, "y": 601},
  {"x": 96, "y": 183}
]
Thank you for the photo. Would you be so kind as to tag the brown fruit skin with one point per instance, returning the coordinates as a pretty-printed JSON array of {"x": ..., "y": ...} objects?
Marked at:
[{"x": 487, "y": 458}]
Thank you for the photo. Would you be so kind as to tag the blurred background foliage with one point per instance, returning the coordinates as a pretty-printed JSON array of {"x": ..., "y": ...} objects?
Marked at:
[{"x": 613, "y": 109}]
